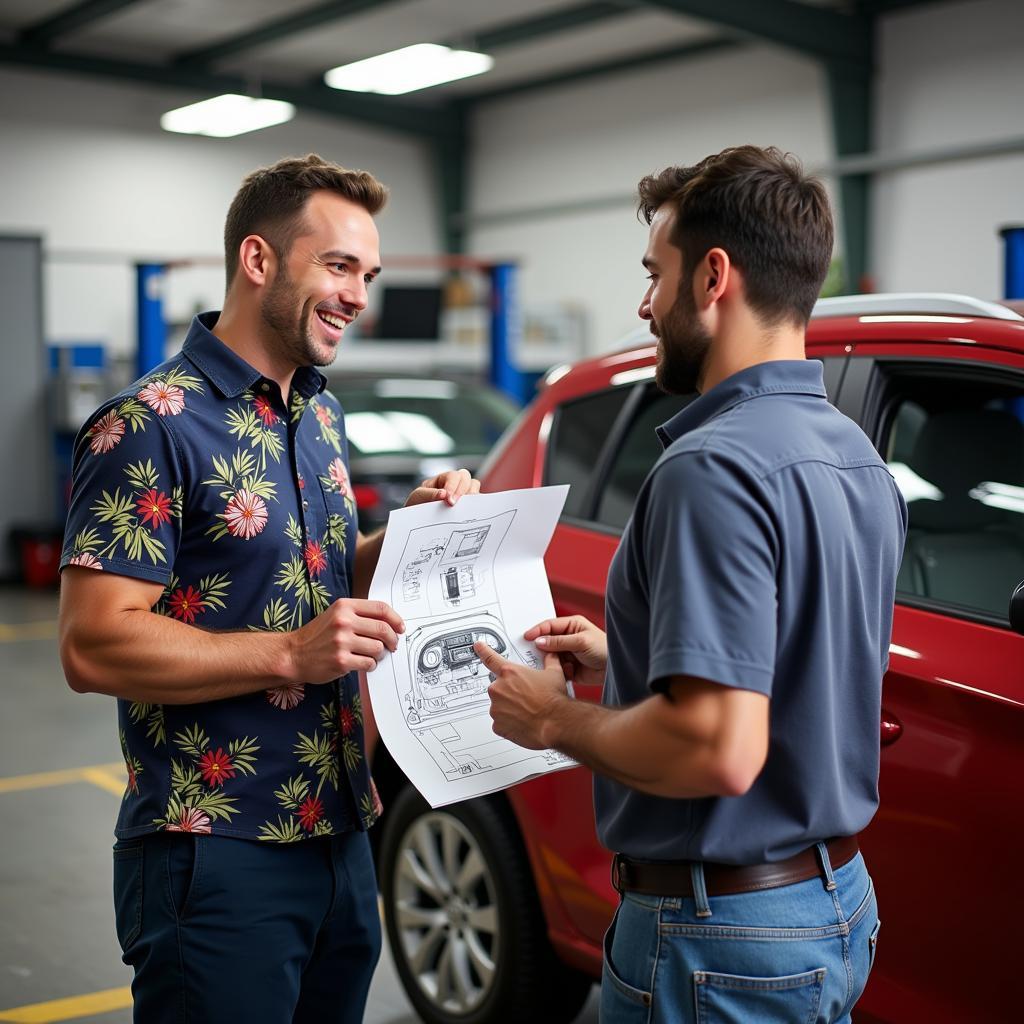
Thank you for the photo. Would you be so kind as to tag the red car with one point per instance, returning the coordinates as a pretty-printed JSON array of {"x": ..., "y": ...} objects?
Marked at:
[{"x": 495, "y": 908}]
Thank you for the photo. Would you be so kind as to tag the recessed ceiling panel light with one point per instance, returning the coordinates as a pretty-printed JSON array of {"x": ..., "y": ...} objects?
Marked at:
[
  {"x": 227, "y": 115},
  {"x": 413, "y": 67}
]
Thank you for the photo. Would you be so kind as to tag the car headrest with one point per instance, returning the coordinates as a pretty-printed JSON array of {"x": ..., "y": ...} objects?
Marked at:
[{"x": 956, "y": 451}]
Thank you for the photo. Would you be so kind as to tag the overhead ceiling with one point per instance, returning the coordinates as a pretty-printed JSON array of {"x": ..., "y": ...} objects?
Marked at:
[{"x": 282, "y": 50}]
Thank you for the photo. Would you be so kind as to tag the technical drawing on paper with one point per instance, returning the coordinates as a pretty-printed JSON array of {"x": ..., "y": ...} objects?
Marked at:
[
  {"x": 444, "y": 569},
  {"x": 465, "y": 543},
  {"x": 446, "y": 700},
  {"x": 457, "y": 577}
]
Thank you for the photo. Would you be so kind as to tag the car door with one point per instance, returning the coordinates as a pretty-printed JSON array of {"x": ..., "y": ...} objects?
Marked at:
[{"x": 949, "y": 420}]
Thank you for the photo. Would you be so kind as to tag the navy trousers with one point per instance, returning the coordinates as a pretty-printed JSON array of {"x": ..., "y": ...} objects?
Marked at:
[{"x": 221, "y": 929}]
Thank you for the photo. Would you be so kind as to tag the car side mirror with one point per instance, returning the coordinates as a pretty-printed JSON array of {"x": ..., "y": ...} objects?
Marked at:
[{"x": 1017, "y": 609}]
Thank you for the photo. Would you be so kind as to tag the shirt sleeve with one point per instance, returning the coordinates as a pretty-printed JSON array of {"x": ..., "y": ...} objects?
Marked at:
[
  {"x": 126, "y": 495},
  {"x": 711, "y": 550}
]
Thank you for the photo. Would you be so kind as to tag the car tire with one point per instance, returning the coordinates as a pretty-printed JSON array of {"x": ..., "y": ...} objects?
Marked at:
[{"x": 464, "y": 924}]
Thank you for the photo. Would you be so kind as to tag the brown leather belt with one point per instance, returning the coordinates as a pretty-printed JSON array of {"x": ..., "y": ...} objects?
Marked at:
[{"x": 673, "y": 878}]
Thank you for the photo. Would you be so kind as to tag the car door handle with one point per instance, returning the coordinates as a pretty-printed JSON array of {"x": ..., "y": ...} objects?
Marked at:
[{"x": 891, "y": 729}]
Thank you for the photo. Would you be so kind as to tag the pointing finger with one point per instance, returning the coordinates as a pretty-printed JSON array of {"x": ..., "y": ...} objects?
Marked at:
[{"x": 492, "y": 659}]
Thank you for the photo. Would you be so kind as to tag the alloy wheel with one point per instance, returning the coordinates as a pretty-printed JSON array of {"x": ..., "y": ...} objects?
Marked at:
[{"x": 446, "y": 912}]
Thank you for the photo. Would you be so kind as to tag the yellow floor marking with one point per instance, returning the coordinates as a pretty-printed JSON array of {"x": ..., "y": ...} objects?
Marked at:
[
  {"x": 70, "y": 1008},
  {"x": 27, "y": 631},
  {"x": 38, "y": 780},
  {"x": 110, "y": 781}
]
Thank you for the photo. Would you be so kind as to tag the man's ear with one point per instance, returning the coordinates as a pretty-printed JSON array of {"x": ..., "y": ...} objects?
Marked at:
[
  {"x": 715, "y": 276},
  {"x": 256, "y": 260}
]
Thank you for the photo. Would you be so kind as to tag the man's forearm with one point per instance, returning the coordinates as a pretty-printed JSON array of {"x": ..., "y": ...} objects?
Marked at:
[
  {"x": 145, "y": 657},
  {"x": 635, "y": 747}
]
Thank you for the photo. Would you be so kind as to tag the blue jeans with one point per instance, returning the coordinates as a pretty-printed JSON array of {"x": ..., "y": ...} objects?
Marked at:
[
  {"x": 221, "y": 929},
  {"x": 798, "y": 953}
]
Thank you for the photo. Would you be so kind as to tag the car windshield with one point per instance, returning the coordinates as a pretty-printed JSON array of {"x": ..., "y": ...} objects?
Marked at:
[{"x": 423, "y": 417}]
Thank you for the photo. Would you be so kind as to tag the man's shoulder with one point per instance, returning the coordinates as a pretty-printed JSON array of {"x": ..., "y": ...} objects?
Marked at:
[
  {"x": 700, "y": 462},
  {"x": 166, "y": 389},
  {"x": 328, "y": 398},
  {"x": 777, "y": 431}
]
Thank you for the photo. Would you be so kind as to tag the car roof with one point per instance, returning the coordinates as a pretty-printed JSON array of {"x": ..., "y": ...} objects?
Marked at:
[{"x": 919, "y": 303}]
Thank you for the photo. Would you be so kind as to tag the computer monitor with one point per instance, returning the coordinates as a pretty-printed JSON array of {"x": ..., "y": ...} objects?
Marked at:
[{"x": 409, "y": 313}]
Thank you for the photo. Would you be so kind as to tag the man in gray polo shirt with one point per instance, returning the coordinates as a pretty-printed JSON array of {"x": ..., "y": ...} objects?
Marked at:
[{"x": 749, "y": 611}]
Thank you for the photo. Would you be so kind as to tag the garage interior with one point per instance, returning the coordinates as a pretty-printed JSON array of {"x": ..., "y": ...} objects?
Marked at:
[{"x": 512, "y": 217}]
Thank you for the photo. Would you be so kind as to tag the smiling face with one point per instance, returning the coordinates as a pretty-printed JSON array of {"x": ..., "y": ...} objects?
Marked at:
[
  {"x": 320, "y": 284},
  {"x": 671, "y": 309}
]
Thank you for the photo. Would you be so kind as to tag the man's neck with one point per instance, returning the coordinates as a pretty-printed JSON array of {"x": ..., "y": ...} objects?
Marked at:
[
  {"x": 742, "y": 345},
  {"x": 244, "y": 334}
]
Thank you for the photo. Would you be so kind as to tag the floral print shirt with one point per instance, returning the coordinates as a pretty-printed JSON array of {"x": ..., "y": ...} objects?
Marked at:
[{"x": 197, "y": 477}]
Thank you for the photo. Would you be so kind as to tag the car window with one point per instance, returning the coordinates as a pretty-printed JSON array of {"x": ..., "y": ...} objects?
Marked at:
[
  {"x": 402, "y": 418},
  {"x": 579, "y": 432},
  {"x": 956, "y": 450},
  {"x": 633, "y": 461}
]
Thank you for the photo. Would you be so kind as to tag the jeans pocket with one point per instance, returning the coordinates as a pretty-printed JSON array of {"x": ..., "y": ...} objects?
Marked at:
[
  {"x": 621, "y": 1002},
  {"x": 128, "y": 859},
  {"x": 873, "y": 944},
  {"x": 733, "y": 999},
  {"x": 184, "y": 869}
]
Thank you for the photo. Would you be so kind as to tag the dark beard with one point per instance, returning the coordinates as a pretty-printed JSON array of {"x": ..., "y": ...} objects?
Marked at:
[
  {"x": 683, "y": 345},
  {"x": 280, "y": 314}
]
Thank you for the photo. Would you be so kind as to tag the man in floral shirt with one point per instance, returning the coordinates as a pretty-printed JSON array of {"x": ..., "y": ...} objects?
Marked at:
[{"x": 214, "y": 582}]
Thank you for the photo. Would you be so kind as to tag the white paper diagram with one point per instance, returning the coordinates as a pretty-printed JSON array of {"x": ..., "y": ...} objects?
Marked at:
[
  {"x": 448, "y": 567},
  {"x": 460, "y": 576},
  {"x": 446, "y": 703}
]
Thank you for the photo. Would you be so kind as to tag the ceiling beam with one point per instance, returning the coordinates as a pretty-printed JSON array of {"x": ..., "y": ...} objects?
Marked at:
[
  {"x": 633, "y": 61},
  {"x": 851, "y": 101},
  {"x": 277, "y": 29},
  {"x": 815, "y": 31},
  {"x": 873, "y": 7},
  {"x": 379, "y": 111},
  {"x": 511, "y": 33},
  {"x": 526, "y": 30},
  {"x": 77, "y": 16}
]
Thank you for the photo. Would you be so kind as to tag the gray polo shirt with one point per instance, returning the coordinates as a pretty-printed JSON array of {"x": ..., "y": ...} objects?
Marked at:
[{"x": 762, "y": 553}]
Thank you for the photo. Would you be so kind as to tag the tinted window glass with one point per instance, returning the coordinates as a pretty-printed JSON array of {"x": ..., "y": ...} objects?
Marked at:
[
  {"x": 956, "y": 449},
  {"x": 580, "y": 431},
  {"x": 638, "y": 453}
]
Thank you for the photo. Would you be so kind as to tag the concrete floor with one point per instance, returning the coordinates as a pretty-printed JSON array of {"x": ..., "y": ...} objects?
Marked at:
[{"x": 57, "y": 937}]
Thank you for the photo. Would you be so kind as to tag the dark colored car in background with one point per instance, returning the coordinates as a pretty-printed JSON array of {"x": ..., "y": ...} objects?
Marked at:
[
  {"x": 402, "y": 430},
  {"x": 495, "y": 908}
]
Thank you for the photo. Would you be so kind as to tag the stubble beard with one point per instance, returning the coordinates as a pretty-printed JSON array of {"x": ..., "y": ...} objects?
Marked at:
[
  {"x": 291, "y": 325},
  {"x": 683, "y": 345}
]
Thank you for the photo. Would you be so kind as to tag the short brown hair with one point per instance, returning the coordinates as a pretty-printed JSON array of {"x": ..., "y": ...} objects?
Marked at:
[
  {"x": 271, "y": 200},
  {"x": 758, "y": 205}
]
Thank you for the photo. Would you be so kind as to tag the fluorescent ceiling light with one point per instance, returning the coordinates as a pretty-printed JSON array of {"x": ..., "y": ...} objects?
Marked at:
[
  {"x": 406, "y": 70},
  {"x": 226, "y": 115}
]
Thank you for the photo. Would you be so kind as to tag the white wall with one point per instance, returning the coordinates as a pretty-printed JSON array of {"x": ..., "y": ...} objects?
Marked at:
[
  {"x": 599, "y": 137},
  {"x": 949, "y": 74},
  {"x": 82, "y": 162},
  {"x": 85, "y": 164}
]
